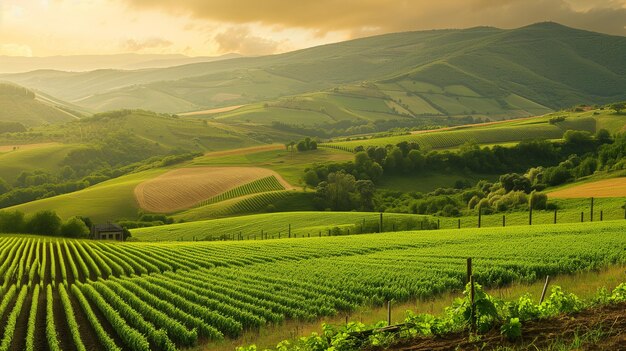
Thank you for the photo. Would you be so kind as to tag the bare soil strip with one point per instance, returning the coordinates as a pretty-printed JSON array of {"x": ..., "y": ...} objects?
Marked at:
[
  {"x": 615, "y": 187},
  {"x": 185, "y": 187},
  {"x": 610, "y": 320}
]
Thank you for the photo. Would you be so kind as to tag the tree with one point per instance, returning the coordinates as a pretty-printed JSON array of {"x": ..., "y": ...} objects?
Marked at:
[
  {"x": 4, "y": 187},
  {"x": 74, "y": 228},
  {"x": 366, "y": 190},
  {"x": 337, "y": 193},
  {"x": 603, "y": 136},
  {"x": 618, "y": 107},
  {"x": 311, "y": 178},
  {"x": 11, "y": 222},
  {"x": 44, "y": 222}
]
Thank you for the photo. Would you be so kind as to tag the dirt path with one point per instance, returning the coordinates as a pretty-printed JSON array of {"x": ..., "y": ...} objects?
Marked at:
[{"x": 610, "y": 320}]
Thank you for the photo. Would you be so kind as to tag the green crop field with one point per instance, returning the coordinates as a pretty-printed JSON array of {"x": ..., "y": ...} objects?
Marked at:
[
  {"x": 77, "y": 294},
  {"x": 302, "y": 224},
  {"x": 258, "y": 186},
  {"x": 498, "y": 133}
]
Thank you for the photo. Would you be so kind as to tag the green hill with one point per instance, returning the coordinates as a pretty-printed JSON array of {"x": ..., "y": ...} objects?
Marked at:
[
  {"x": 165, "y": 132},
  {"x": 23, "y": 106},
  {"x": 478, "y": 71},
  {"x": 498, "y": 133}
]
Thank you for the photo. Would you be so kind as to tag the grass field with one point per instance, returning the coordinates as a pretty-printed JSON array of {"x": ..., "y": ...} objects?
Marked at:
[
  {"x": 107, "y": 201},
  {"x": 290, "y": 165},
  {"x": 494, "y": 133},
  {"x": 42, "y": 156},
  {"x": 144, "y": 296},
  {"x": 183, "y": 188}
]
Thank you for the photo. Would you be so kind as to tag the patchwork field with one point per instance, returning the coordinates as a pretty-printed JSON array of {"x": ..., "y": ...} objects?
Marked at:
[
  {"x": 73, "y": 294},
  {"x": 603, "y": 188},
  {"x": 186, "y": 187}
]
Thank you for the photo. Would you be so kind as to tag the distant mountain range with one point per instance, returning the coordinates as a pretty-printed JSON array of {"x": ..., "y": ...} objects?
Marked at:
[
  {"x": 478, "y": 71},
  {"x": 82, "y": 63}
]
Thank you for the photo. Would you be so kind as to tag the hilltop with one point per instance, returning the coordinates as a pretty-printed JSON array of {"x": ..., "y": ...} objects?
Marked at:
[
  {"x": 479, "y": 71},
  {"x": 23, "y": 106}
]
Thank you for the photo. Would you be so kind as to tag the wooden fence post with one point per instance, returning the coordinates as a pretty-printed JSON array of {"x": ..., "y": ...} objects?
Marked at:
[
  {"x": 438, "y": 223},
  {"x": 480, "y": 213},
  {"x": 555, "y": 215},
  {"x": 582, "y": 217},
  {"x": 389, "y": 312},
  {"x": 459, "y": 223},
  {"x": 504, "y": 220},
  {"x": 469, "y": 269},
  {"x": 591, "y": 213},
  {"x": 545, "y": 288},
  {"x": 601, "y": 215},
  {"x": 289, "y": 230},
  {"x": 530, "y": 212},
  {"x": 380, "y": 223},
  {"x": 473, "y": 308}
]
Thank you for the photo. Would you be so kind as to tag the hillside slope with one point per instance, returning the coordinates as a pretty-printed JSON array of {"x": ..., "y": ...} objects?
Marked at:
[
  {"x": 453, "y": 72},
  {"x": 24, "y": 106}
]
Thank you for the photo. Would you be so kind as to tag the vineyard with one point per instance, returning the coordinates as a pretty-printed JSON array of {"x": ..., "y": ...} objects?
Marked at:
[
  {"x": 74, "y": 295},
  {"x": 258, "y": 186}
]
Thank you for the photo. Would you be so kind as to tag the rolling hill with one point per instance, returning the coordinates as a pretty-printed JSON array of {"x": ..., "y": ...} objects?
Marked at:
[
  {"x": 477, "y": 71},
  {"x": 23, "y": 106}
]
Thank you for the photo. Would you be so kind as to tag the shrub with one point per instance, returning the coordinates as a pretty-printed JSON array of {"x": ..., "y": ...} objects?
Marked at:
[
  {"x": 74, "y": 228},
  {"x": 44, "y": 223}
]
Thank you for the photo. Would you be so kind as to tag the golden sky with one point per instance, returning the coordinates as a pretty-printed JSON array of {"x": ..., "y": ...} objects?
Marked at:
[{"x": 256, "y": 27}]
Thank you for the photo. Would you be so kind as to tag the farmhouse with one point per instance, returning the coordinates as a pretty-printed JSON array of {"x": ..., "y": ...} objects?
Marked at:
[{"x": 108, "y": 231}]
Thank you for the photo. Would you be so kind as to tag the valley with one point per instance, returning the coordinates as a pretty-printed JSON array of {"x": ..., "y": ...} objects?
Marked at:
[{"x": 289, "y": 201}]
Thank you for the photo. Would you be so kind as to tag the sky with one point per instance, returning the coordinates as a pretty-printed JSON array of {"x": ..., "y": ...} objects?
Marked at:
[{"x": 260, "y": 27}]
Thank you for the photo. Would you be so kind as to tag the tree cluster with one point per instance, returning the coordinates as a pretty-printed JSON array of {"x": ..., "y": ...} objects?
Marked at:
[{"x": 43, "y": 223}]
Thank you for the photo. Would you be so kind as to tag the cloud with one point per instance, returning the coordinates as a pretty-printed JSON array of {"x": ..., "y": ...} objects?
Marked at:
[
  {"x": 361, "y": 16},
  {"x": 15, "y": 50},
  {"x": 133, "y": 45},
  {"x": 241, "y": 40}
]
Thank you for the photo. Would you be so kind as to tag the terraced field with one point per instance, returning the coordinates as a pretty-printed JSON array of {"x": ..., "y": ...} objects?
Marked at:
[
  {"x": 183, "y": 188},
  {"x": 72, "y": 294}
]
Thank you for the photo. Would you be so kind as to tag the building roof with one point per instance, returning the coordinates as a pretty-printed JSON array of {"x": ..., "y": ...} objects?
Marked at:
[{"x": 107, "y": 227}]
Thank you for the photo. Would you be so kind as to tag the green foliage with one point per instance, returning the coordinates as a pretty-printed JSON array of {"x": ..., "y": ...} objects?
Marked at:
[
  {"x": 512, "y": 330},
  {"x": 74, "y": 228},
  {"x": 44, "y": 222}
]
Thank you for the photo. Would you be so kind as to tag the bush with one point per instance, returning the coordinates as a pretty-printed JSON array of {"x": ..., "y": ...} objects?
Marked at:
[
  {"x": 539, "y": 201},
  {"x": 12, "y": 222},
  {"x": 74, "y": 228},
  {"x": 44, "y": 223}
]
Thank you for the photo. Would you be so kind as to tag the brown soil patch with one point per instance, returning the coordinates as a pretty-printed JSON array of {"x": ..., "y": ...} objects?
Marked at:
[
  {"x": 7, "y": 148},
  {"x": 185, "y": 187},
  {"x": 609, "y": 320},
  {"x": 245, "y": 150},
  {"x": 615, "y": 187},
  {"x": 211, "y": 111}
]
